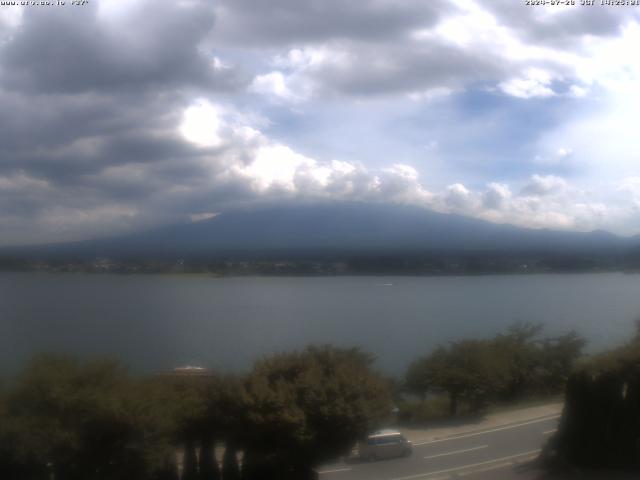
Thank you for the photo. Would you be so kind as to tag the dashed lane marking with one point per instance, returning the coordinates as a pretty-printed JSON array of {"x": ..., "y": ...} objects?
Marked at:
[
  {"x": 457, "y": 451},
  {"x": 462, "y": 468},
  {"x": 493, "y": 467}
]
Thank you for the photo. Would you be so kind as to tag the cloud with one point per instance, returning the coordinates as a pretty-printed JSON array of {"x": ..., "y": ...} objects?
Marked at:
[
  {"x": 534, "y": 83},
  {"x": 275, "y": 84},
  {"x": 283, "y": 23},
  {"x": 124, "y": 115},
  {"x": 21, "y": 181},
  {"x": 631, "y": 187},
  {"x": 202, "y": 125},
  {"x": 564, "y": 152},
  {"x": 200, "y": 217},
  {"x": 449, "y": 46},
  {"x": 541, "y": 185},
  {"x": 560, "y": 25},
  {"x": 350, "y": 68},
  {"x": 162, "y": 49},
  {"x": 495, "y": 196}
]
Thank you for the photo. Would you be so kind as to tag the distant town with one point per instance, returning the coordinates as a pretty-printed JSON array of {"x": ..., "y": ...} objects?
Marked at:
[{"x": 354, "y": 265}]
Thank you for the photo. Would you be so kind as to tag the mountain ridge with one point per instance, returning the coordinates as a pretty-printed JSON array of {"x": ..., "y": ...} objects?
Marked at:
[{"x": 326, "y": 228}]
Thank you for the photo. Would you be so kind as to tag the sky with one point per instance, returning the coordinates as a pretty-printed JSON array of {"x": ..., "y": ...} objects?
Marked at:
[{"x": 121, "y": 115}]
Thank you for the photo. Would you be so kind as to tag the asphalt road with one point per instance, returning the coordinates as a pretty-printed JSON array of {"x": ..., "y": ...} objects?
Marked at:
[{"x": 503, "y": 452}]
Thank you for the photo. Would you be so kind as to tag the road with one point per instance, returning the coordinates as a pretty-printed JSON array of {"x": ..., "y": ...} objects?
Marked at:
[{"x": 499, "y": 452}]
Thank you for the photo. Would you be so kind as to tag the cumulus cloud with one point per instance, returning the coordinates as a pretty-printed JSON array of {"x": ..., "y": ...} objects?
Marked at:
[
  {"x": 279, "y": 85},
  {"x": 534, "y": 83},
  {"x": 541, "y": 185},
  {"x": 449, "y": 45},
  {"x": 125, "y": 114},
  {"x": 496, "y": 195}
]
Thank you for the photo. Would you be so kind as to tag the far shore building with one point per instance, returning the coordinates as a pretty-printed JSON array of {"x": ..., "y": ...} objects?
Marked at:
[{"x": 189, "y": 371}]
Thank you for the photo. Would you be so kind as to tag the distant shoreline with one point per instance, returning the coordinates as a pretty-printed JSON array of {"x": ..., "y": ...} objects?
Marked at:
[{"x": 320, "y": 275}]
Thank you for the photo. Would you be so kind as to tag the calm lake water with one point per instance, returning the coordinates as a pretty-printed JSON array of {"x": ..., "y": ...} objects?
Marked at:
[{"x": 156, "y": 322}]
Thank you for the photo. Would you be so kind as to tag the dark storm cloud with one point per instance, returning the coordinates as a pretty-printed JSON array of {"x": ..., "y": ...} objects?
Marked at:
[
  {"x": 291, "y": 22},
  {"x": 58, "y": 51},
  {"x": 55, "y": 120},
  {"x": 79, "y": 94},
  {"x": 59, "y": 135},
  {"x": 89, "y": 109}
]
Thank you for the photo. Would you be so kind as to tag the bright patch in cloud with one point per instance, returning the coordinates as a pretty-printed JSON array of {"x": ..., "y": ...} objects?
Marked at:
[
  {"x": 201, "y": 217},
  {"x": 201, "y": 124},
  {"x": 274, "y": 83},
  {"x": 276, "y": 165},
  {"x": 534, "y": 83},
  {"x": 564, "y": 152}
]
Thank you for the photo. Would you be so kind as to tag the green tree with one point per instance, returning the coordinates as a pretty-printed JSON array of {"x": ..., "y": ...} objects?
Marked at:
[
  {"x": 306, "y": 407},
  {"x": 513, "y": 364},
  {"x": 188, "y": 412},
  {"x": 472, "y": 371},
  {"x": 156, "y": 413},
  {"x": 521, "y": 347},
  {"x": 559, "y": 354},
  {"x": 417, "y": 379},
  {"x": 73, "y": 418}
]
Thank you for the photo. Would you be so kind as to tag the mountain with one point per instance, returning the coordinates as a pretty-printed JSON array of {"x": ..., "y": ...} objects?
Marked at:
[{"x": 331, "y": 228}]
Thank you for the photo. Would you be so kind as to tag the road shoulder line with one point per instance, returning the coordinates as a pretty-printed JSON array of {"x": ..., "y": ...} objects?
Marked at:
[{"x": 474, "y": 433}]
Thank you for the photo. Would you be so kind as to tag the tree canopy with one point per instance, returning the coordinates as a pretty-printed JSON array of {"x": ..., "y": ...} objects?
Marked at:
[
  {"x": 92, "y": 420},
  {"x": 513, "y": 364},
  {"x": 313, "y": 405},
  {"x": 600, "y": 422}
]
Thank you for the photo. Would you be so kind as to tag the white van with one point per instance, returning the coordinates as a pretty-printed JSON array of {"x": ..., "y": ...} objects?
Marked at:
[{"x": 383, "y": 444}]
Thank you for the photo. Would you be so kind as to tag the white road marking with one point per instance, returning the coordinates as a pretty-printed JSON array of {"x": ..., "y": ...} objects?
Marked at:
[
  {"x": 547, "y": 432},
  {"x": 457, "y": 451},
  {"x": 490, "y": 468},
  {"x": 335, "y": 470},
  {"x": 475, "y": 434},
  {"x": 472, "y": 465}
]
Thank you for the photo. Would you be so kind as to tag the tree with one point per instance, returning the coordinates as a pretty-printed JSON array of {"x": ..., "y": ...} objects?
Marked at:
[
  {"x": 188, "y": 412},
  {"x": 73, "y": 418},
  {"x": 158, "y": 417},
  {"x": 520, "y": 344},
  {"x": 559, "y": 355},
  {"x": 469, "y": 370},
  {"x": 417, "y": 379},
  {"x": 599, "y": 425},
  {"x": 513, "y": 364},
  {"x": 306, "y": 407}
]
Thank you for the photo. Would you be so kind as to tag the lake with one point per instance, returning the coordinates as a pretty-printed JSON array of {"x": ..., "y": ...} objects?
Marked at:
[{"x": 156, "y": 322}]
